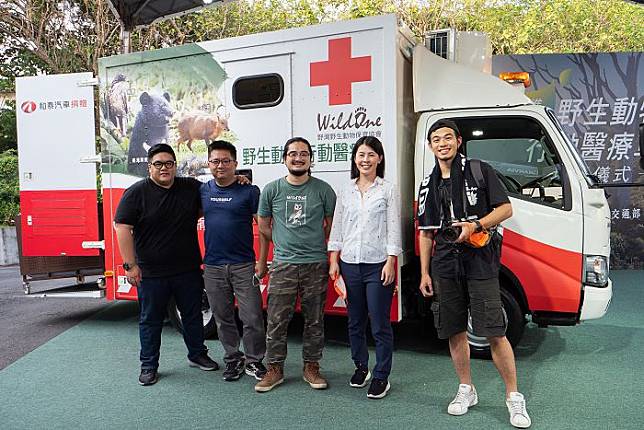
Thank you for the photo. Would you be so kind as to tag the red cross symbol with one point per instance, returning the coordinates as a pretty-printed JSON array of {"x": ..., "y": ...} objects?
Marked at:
[{"x": 340, "y": 71}]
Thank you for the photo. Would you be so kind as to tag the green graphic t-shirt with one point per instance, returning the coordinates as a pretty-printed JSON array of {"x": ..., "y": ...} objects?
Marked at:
[{"x": 298, "y": 213}]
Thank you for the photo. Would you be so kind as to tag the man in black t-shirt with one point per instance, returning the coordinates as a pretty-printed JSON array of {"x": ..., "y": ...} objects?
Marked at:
[
  {"x": 464, "y": 276},
  {"x": 156, "y": 228}
]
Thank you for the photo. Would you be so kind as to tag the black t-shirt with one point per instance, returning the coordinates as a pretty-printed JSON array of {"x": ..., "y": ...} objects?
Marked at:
[
  {"x": 165, "y": 225},
  {"x": 454, "y": 260}
]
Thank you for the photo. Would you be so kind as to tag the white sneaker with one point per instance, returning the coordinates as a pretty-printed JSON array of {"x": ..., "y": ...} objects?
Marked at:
[
  {"x": 465, "y": 398},
  {"x": 519, "y": 417}
]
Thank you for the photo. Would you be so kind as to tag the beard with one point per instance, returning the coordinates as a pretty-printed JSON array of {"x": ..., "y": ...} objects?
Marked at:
[{"x": 298, "y": 172}]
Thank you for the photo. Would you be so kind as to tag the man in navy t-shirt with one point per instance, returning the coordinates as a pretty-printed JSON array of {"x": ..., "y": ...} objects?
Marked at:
[{"x": 230, "y": 269}]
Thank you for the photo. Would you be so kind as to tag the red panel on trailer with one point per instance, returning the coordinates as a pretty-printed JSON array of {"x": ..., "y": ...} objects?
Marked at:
[{"x": 57, "y": 222}]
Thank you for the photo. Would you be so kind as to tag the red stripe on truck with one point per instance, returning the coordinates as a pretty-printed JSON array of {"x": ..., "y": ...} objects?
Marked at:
[{"x": 550, "y": 276}]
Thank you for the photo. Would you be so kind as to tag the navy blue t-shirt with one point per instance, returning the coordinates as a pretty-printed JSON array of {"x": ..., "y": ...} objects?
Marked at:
[{"x": 228, "y": 215}]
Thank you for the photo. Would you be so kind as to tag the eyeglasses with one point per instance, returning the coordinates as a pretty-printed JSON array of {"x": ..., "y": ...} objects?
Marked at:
[
  {"x": 159, "y": 164},
  {"x": 224, "y": 162},
  {"x": 294, "y": 154}
]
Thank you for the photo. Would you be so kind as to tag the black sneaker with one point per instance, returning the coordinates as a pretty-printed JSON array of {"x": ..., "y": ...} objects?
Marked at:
[
  {"x": 234, "y": 370},
  {"x": 256, "y": 370},
  {"x": 360, "y": 377},
  {"x": 148, "y": 377},
  {"x": 203, "y": 362},
  {"x": 378, "y": 388}
]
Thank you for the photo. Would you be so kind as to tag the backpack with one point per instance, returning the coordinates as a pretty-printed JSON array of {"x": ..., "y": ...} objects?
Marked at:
[{"x": 477, "y": 172}]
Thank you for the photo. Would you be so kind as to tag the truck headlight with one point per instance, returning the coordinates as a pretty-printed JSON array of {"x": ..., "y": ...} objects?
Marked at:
[{"x": 596, "y": 270}]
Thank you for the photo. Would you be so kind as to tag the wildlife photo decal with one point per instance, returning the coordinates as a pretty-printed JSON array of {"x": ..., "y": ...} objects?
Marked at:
[{"x": 171, "y": 99}]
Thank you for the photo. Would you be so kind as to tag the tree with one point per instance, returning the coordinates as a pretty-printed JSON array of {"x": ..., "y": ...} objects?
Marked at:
[
  {"x": 9, "y": 200},
  {"x": 55, "y": 36},
  {"x": 555, "y": 26},
  {"x": 70, "y": 35},
  {"x": 8, "y": 135}
]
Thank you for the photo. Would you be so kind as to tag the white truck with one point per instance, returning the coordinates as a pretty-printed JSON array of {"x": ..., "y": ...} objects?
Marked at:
[{"x": 330, "y": 83}]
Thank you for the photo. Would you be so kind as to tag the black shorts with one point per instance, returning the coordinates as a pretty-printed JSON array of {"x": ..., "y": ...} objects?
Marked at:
[{"x": 452, "y": 299}]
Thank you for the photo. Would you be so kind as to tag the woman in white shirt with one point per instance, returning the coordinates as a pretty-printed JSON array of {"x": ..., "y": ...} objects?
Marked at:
[{"x": 364, "y": 242}]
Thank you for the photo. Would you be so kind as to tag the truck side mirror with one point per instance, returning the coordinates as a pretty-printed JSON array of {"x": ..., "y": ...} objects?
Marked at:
[{"x": 641, "y": 145}]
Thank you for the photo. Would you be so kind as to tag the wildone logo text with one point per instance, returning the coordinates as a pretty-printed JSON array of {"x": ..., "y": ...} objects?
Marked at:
[{"x": 356, "y": 120}]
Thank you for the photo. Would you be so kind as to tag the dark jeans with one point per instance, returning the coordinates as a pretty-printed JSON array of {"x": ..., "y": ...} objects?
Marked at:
[
  {"x": 154, "y": 294},
  {"x": 368, "y": 298}
]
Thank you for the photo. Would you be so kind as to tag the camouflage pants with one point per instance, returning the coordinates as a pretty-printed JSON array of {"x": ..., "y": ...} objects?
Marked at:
[{"x": 287, "y": 280}]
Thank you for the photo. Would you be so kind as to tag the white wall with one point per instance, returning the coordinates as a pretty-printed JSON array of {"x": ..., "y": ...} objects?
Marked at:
[{"x": 8, "y": 246}]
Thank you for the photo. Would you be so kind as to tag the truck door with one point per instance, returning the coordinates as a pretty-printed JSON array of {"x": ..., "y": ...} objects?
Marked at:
[
  {"x": 258, "y": 99},
  {"x": 58, "y": 198}
]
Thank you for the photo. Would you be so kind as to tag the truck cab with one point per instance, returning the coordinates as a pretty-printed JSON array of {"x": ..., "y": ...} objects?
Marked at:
[{"x": 556, "y": 245}]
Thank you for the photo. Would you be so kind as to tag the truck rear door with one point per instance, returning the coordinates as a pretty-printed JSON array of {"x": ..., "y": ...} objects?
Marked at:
[{"x": 58, "y": 198}]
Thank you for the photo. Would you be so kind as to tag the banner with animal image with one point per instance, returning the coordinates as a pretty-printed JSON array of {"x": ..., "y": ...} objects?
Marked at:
[
  {"x": 166, "y": 96},
  {"x": 599, "y": 100}
]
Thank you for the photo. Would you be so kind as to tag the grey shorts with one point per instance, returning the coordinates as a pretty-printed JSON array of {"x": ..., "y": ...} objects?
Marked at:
[{"x": 453, "y": 298}]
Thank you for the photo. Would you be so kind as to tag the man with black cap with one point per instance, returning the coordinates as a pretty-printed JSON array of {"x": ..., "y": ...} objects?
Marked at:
[
  {"x": 459, "y": 198},
  {"x": 156, "y": 228}
]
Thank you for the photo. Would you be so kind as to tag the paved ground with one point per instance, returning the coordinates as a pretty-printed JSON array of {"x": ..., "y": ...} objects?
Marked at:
[
  {"x": 28, "y": 322},
  {"x": 583, "y": 377}
]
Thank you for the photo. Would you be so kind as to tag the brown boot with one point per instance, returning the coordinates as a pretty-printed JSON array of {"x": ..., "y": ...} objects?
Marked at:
[
  {"x": 312, "y": 375},
  {"x": 274, "y": 376}
]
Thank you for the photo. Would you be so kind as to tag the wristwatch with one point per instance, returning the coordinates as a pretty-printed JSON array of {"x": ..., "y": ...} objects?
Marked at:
[
  {"x": 128, "y": 266},
  {"x": 479, "y": 227}
]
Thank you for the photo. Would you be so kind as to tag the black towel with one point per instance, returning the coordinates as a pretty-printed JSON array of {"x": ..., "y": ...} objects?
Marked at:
[{"x": 429, "y": 213}]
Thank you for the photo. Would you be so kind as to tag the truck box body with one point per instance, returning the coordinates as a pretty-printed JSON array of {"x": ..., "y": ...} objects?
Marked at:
[{"x": 330, "y": 84}]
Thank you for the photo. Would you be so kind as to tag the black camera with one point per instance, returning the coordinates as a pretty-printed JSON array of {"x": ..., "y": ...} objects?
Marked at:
[{"x": 451, "y": 233}]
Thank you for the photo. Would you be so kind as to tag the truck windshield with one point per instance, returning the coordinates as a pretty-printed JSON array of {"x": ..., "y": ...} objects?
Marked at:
[
  {"x": 590, "y": 178},
  {"x": 522, "y": 154}
]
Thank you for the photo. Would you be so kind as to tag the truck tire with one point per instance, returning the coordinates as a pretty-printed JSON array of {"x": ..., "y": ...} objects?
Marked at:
[
  {"x": 480, "y": 347},
  {"x": 209, "y": 325}
]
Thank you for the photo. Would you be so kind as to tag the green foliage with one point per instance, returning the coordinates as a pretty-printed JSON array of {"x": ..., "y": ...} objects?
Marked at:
[
  {"x": 9, "y": 197},
  {"x": 70, "y": 35},
  {"x": 8, "y": 134},
  {"x": 515, "y": 27},
  {"x": 555, "y": 26}
]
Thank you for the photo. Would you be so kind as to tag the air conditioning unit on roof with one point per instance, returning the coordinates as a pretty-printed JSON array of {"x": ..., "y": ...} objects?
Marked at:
[{"x": 470, "y": 48}]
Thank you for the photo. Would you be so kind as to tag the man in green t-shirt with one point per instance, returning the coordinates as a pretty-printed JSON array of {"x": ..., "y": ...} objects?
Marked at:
[{"x": 295, "y": 212}]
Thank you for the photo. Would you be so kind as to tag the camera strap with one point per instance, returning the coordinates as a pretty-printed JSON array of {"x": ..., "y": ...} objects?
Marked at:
[
  {"x": 475, "y": 168},
  {"x": 446, "y": 206}
]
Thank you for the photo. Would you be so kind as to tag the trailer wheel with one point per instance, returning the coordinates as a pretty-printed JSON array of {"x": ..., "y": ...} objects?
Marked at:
[
  {"x": 209, "y": 325},
  {"x": 480, "y": 347}
]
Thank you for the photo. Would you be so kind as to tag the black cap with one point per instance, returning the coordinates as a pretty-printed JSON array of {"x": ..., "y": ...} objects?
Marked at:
[{"x": 441, "y": 123}]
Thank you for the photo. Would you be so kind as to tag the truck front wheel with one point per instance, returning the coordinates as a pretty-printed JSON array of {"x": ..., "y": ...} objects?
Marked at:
[
  {"x": 209, "y": 325},
  {"x": 479, "y": 346}
]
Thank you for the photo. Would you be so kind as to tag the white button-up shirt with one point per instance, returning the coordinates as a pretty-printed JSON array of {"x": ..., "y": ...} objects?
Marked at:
[{"x": 366, "y": 227}]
